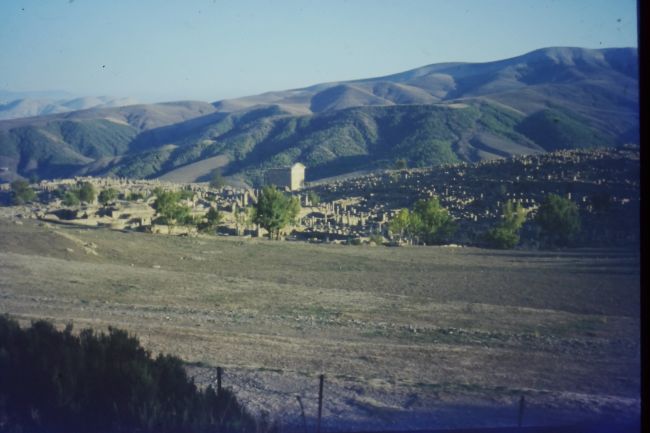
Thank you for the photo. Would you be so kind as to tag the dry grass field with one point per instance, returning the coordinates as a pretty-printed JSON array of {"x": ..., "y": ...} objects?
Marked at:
[{"x": 407, "y": 337}]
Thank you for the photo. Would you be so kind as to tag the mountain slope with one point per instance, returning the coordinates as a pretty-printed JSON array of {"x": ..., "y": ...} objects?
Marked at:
[
  {"x": 448, "y": 81},
  {"x": 548, "y": 99},
  {"x": 63, "y": 144}
]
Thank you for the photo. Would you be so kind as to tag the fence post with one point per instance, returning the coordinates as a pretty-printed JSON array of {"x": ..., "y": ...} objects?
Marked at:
[
  {"x": 522, "y": 405},
  {"x": 320, "y": 400},
  {"x": 219, "y": 371}
]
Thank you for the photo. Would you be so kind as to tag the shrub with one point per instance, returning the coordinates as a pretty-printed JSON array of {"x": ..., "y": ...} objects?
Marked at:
[
  {"x": 212, "y": 220},
  {"x": 21, "y": 192},
  {"x": 135, "y": 196},
  {"x": 108, "y": 195},
  {"x": 502, "y": 238},
  {"x": 169, "y": 210},
  {"x": 58, "y": 382},
  {"x": 558, "y": 219},
  {"x": 70, "y": 198},
  {"x": 87, "y": 192},
  {"x": 506, "y": 234},
  {"x": 435, "y": 224},
  {"x": 429, "y": 221}
]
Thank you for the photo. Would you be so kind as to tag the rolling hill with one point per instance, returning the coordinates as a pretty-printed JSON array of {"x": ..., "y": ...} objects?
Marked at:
[
  {"x": 32, "y": 107},
  {"x": 549, "y": 99}
]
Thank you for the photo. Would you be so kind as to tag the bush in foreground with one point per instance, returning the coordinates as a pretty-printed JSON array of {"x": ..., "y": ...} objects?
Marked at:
[{"x": 52, "y": 381}]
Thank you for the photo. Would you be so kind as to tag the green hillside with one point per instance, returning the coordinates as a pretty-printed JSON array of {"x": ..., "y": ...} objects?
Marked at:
[
  {"x": 95, "y": 138},
  {"x": 331, "y": 143},
  {"x": 57, "y": 148},
  {"x": 555, "y": 129}
]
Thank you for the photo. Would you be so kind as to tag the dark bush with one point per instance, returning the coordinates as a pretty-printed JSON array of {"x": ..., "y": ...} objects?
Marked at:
[
  {"x": 52, "y": 381},
  {"x": 21, "y": 192},
  {"x": 559, "y": 221},
  {"x": 501, "y": 238}
]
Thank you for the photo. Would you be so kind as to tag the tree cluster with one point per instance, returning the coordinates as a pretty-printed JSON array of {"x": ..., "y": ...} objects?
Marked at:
[
  {"x": 427, "y": 223},
  {"x": 84, "y": 192},
  {"x": 54, "y": 381},
  {"x": 557, "y": 222}
]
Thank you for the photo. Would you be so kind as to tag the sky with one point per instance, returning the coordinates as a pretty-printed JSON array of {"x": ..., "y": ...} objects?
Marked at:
[{"x": 163, "y": 50}]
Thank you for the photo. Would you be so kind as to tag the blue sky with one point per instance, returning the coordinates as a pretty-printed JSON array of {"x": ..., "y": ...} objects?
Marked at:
[{"x": 157, "y": 50}]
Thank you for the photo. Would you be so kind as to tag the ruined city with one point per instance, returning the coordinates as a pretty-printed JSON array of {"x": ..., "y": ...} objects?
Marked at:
[{"x": 352, "y": 210}]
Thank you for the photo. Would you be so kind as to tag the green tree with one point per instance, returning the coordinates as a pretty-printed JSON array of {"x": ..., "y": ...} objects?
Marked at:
[
  {"x": 87, "y": 192},
  {"x": 274, "y": 210},
  {"x": 212, "y": 220},
  {"x": 71, "y": 198},
  {"x": 107, "y": 195},
  {"x": 513, "y": 214},
  {"x": 216, "y": 180},
  {"x": 169, "y": 210},
  {"x": 244, "y": 219},
  {"x": 558, "y": 219},
  {"x": 214, "y": 216},
  {"x": 506, "y": 234},
  {"x": 21, "y": 192},
  {"x": 432, "y": 222},
  {"x": 400, "y": 223}
]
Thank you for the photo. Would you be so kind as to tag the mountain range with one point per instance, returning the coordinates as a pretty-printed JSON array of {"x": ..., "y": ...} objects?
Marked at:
[{"x": 548, "y": 99}]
